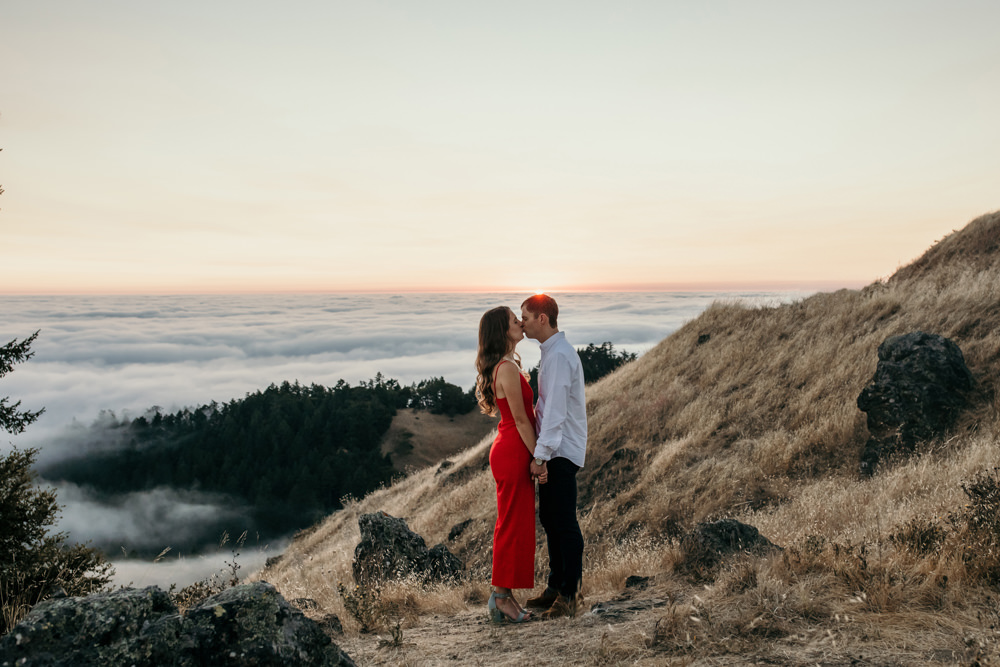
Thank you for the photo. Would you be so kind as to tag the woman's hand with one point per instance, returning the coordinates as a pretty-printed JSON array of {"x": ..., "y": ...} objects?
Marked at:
[{"x": 541, "y": 473}]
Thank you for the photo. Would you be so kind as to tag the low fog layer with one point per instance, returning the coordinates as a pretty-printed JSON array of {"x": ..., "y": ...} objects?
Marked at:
[
  {"x": 174, "y": 568},
  {"x": 126, "y": 354},
  {"x": 148, "y": 522}
]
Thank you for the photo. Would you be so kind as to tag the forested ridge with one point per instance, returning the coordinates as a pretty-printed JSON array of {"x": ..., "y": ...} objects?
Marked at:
[{"x": 290, "y": 452}]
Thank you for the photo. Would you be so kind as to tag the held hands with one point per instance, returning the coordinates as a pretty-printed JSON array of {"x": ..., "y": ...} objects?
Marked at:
[{"x": 541, "y": 473}]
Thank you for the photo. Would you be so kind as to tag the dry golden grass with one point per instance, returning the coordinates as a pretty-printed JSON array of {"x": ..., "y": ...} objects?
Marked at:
[
  {"x": 745, "y": 412},
  {"x": 418, "y": 438}
]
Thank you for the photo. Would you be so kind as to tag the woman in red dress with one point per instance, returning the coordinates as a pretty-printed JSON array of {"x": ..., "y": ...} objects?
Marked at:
[{"x": 501, "y": 385}]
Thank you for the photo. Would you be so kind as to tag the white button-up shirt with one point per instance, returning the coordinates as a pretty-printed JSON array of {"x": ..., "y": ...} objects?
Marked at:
[{"x": 561, "y": 409}]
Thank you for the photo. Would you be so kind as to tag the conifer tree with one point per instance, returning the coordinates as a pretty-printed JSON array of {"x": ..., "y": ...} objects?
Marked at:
[{"x": 33, "y": 562}]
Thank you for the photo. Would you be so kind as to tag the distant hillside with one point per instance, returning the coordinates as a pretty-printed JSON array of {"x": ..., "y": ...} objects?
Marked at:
[
  {"x": 750, "y": 412},
  {"x": 417, "y": 438}
]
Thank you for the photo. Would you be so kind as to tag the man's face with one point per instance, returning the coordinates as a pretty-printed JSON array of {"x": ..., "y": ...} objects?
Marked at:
[{"x": 530, "y": 323}]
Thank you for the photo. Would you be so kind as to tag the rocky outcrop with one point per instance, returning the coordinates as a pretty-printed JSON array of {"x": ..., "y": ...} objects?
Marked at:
[
  {"x": 390, "y": 550},
  {"x": 705, "y": 547},
  {"x": 250, "y": 624},
  {"x": 921, "y": 384}
]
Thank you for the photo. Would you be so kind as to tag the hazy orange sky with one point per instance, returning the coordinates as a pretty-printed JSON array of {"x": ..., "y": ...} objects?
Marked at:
[{"x": 307, "y": 145}]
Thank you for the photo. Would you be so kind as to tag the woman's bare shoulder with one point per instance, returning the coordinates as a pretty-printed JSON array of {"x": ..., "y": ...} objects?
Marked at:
[{"x": 507, "y": 370}]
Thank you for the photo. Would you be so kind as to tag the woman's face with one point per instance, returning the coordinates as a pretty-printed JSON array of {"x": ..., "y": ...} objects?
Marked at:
[{"x": 514, "y": 331}]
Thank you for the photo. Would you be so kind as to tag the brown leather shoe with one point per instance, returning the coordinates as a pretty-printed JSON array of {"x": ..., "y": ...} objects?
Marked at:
[
  {"x": 563, "y": 606},
  {"x": 543, "y": 601}
]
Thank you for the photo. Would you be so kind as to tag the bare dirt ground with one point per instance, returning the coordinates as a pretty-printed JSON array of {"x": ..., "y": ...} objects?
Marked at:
[
  {"x": 417, "y": 438},
  {"x": 629, "y": 630}
]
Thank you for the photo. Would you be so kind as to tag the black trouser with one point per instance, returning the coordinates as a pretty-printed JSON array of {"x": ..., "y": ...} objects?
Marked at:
[{"x": 557, "y": 512}]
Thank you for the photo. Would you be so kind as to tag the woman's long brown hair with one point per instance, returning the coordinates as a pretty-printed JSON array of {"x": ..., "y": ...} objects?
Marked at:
[{"x": 494, "y": 345}]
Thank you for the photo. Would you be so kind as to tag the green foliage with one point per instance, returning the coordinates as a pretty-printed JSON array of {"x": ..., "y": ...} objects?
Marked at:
[
  {"x": 600, "y": 360},
  {"x": 13, "y": 420},
  {"x": 597, "y": 361},
  {"x": 34, "y": 563},
  {"x": 441, "y": 398}
]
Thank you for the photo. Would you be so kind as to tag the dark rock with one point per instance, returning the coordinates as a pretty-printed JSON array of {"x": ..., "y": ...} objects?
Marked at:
[
  {"x": 390, "y": 550},
  {"x": 708, "y": 545},
  {"x": 457, "y": 530},
  {"x": 442, "y": 564},
  {"x": 97, "y": 629},
  {"x": 704, "y": 338},
  {"x": 250, "y": 624},
  {"x": 253, "y": 625},
  {"x": 920, "y": 386}
]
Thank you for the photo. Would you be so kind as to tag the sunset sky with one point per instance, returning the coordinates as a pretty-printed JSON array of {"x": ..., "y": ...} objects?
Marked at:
[{"x": 219, "y": 146}]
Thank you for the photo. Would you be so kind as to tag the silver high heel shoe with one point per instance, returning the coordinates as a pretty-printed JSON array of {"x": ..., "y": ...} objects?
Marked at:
[{"x": 497, "y": 615}]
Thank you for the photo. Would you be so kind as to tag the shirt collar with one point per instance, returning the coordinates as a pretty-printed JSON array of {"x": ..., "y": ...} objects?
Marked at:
[{"x": 552, "y": 340}]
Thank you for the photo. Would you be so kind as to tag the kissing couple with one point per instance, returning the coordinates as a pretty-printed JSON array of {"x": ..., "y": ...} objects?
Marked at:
[{"x": 543, "y": 441}]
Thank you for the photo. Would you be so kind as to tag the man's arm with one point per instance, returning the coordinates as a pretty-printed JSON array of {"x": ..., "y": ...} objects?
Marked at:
[{"x": 554, "y": 385}]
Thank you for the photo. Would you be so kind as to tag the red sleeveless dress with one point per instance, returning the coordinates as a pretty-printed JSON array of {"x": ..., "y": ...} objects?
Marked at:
[{"x": 514, "y": 534}]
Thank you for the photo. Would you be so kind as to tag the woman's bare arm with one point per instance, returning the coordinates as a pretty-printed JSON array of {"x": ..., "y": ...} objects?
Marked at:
[{"x": 509, "y": 379}]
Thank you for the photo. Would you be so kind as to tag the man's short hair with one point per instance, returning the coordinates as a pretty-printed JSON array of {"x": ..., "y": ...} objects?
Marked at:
[{"x": 542, "y": 303}]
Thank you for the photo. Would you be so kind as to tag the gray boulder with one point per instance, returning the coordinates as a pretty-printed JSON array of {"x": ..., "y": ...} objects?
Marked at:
[
  {"x": 390, "y": 550},
  {"x": 250, "y": 624},
  {"x": 920, "y": 386}
]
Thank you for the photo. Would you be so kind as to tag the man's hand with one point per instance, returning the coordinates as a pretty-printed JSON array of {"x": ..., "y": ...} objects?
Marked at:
[{"x": 540, "y": 472}]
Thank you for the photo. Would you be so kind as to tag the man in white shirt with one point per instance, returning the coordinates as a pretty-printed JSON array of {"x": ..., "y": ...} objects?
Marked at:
[{"x": 561, "y": 423}]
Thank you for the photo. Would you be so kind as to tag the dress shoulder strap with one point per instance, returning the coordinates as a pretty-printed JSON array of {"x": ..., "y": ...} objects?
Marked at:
[{"x": 496, "y": 370}]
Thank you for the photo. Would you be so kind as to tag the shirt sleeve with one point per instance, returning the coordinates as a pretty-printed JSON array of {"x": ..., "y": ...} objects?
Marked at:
[{"x": 554, "y": 385}]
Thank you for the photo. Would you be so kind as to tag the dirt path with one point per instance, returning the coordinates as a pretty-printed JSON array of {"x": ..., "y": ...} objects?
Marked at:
[
  {"x": 468, "y": 638},
  {"x": 621, "y": 631}
]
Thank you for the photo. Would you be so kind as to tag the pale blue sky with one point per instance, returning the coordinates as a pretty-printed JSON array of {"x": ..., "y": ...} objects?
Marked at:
[{"x": 218, "y": 146}]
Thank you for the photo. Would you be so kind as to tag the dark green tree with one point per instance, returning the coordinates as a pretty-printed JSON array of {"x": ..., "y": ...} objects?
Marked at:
[
  {"x": 33, "y": 562},
  {"x": 600, "y": 360},
  {"x": 441, "y": 397},
  {"x": 13, "y": 420}
]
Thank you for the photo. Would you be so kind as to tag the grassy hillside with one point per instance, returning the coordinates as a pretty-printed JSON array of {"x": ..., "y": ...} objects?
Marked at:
[
  {"x": 748, "y": 412},
  {"x": 419, "y": 438}
]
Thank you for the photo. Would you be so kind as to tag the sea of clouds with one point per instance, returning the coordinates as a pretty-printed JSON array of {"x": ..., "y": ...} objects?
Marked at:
[{"x": 127, "y": 354}]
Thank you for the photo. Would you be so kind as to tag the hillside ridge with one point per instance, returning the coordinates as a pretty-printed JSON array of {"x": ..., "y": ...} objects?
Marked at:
[{"x": 747, "y": 412}]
